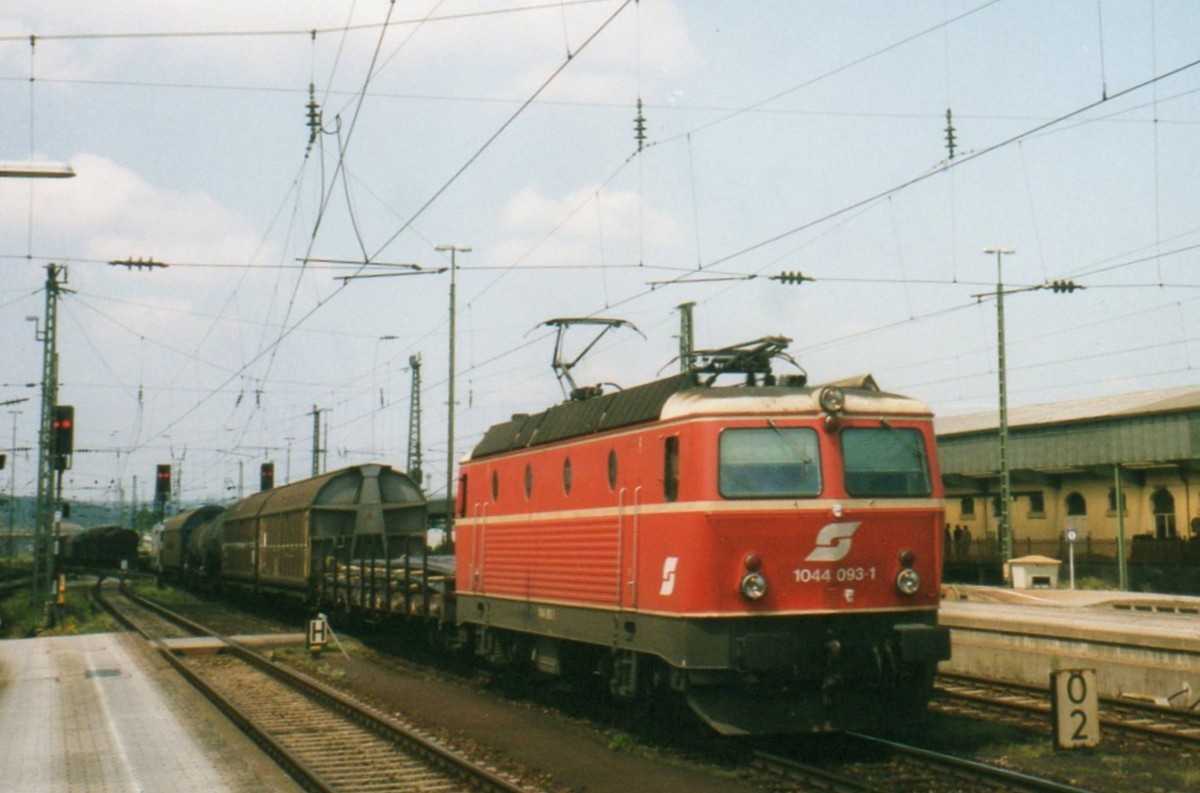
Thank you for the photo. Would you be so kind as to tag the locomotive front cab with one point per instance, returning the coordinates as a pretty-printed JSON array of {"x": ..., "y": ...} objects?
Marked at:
[{"x": 822, "y": 533}]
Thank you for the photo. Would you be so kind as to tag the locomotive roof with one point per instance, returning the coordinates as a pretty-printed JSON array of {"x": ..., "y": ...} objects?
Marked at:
[
  {"x": 674, "y": 397},
  {"x": 774, "y": 400},
  {"x": 612, "y": 411}
]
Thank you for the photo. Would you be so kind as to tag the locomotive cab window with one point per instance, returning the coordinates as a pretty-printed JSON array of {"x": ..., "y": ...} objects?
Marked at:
[
  {"x": 774, "y": 462},
  {"x": 885, "y": 461},
  {"x": 671, "y": 468},
  {"x": 462, "y": 496}
]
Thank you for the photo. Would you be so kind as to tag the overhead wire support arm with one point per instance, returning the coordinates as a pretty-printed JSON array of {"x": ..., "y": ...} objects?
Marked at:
[
  {"x": 405, "y": 269},
  {"x": 1054, "y": 286}
]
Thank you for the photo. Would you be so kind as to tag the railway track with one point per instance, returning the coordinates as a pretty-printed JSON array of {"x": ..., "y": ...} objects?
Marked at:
[
  {"x": 1030, "y": 706},
  {"x": 907, "y": 768},
  {"x": 323, "y": 739}
]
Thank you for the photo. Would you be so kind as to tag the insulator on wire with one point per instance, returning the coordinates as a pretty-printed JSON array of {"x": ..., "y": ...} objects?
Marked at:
[
  {"x": 639, "y": 126},
  {"x": 314, "y": 114},
  {"x": 789, "y": 277}
]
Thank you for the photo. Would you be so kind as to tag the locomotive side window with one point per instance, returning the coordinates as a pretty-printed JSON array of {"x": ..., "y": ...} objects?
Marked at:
[
  {"x": 885, "y": 461},
  {"x": 462, "y": 496},
  {"x": 567, "y": 476},
  {"x": 612, "y": 469},
  {"x": 495, "y": 485},
  {"x": 528, "y": 481},
  {"x": 776, "y": 462},
  {"x": 671, "y": 468}
]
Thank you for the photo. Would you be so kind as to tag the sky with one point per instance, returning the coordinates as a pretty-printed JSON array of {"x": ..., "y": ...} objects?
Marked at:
[{"x": 779, "y": 137}]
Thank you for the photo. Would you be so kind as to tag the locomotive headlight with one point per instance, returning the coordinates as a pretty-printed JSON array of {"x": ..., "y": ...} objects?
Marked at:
[
  {"x": 754, "y": 586},
  {"x": 832, "y": 399},
  {"x": 908, "y": 581}
]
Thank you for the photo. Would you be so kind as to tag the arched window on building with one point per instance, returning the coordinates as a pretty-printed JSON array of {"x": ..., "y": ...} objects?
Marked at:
[
  {"x": 1162, "y": 504},
  {"x": 1076, "y": 504}
]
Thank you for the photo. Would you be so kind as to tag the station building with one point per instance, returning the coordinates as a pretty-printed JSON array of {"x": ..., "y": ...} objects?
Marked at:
[{"x": 1070, "y": 464}]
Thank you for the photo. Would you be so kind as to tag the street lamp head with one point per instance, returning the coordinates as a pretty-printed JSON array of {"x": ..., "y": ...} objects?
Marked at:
[
  {"x": 458, "y": 248},
  {"x": 998, "y": 250},
  {"x": 36, "y": 169}
]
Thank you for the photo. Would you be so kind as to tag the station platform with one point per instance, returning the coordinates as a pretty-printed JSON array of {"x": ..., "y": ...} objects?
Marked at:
[
  {"x": 104, "y": 712},
  {"x": 1142, "y": 646}
]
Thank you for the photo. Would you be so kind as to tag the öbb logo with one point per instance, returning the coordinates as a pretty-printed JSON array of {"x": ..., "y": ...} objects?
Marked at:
[{"x": 833, "y": 542}]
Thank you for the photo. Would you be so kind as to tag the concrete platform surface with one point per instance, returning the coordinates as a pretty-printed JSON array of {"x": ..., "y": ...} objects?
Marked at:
[
  {"x": 103, "y": 712},
  {"x": 1141, "y": 645}
]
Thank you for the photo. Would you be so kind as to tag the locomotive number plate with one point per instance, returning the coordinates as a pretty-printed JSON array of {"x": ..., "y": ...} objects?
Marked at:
[{"x": 839, "y": 575}]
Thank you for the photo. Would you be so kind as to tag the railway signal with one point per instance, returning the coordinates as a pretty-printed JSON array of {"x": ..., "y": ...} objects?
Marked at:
[
  {"x": 62, "y": 426},
  {"x": 162, "y": 483},
  {"x": 266, "y": 476}
]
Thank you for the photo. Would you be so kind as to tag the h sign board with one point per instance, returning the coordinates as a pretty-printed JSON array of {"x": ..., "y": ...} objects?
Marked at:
[
  {"x": 318, "y": 633},
  {"x": 1075, "y": 708}
]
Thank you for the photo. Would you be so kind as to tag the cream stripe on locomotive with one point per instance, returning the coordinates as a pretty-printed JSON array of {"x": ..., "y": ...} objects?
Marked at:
[{"x": 820, "y": 506}]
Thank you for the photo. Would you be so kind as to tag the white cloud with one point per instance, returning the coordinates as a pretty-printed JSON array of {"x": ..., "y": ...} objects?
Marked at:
[
  {"x": 576, "y": 228},
  {"x": 110, "y": 212}
]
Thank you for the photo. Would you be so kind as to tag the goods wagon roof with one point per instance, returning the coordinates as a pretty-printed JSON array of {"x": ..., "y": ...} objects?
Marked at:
[
  {"x": 635, "y": 405},
  {"x": 188, "y": 519},
  {"x": 333, "y": 489}
]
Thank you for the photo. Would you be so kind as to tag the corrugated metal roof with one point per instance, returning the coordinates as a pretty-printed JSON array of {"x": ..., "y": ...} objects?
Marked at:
[{"x": 1140, "y": 403}]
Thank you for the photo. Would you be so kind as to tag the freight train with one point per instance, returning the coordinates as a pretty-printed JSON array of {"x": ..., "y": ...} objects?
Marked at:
[
  {"x": 769, "y": 552},
  {"x": 100, "y": 550}
]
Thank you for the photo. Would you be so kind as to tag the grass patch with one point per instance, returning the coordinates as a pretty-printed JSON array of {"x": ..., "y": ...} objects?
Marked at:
[
  {"x": 303, "y": 660},
  {"x": 623, "y": 742},
  {"x": 167, "y": 596},
  {"x": 26, "y": 616}
]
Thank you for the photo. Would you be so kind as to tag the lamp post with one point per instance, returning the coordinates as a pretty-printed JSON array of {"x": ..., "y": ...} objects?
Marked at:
[
  {"x": 454, "y": 251},
  {"x": 46, "y": 496},
  {"x": 12, "y": 487},
  {"x": 1005, "y": 529}
]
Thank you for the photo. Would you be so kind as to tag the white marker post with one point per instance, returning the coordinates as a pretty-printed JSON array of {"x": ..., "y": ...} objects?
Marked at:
[
  {"x": 1075, "y": 708},
  {"x": 318, "y": 632},
  {"x": 1072, "y": 536}
]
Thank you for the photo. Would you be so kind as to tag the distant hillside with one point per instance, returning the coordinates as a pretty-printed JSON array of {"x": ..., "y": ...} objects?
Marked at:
[{"x": 83, "y": 513}]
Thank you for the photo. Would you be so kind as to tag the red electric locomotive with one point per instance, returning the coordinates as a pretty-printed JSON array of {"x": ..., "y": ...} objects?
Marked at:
[{"x": 769, "y": 550}]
